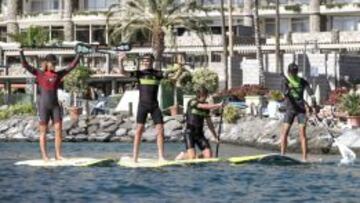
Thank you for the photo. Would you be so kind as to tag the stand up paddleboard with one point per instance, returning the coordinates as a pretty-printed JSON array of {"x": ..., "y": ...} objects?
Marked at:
[
  {"x": 66, "y": 162},
  {"x": 155, "y": 163},
  {"x": 275, "y": 159}
]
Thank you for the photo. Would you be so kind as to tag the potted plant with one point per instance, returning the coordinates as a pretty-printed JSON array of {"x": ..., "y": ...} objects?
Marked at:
[
  {"x": 200, "y": 77},
  {"x": 350, "y": 103},
  {"x": 254, "y": 96},
  {"x": 76, "y": 83},
  {"x": 275, "y": 99}
]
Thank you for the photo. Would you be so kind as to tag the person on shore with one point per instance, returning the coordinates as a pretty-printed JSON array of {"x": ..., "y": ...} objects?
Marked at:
[
  {"x": 198, "y": 110},
  {"x": 295, "y": 104},
  {"x": 48, "y": 81}
]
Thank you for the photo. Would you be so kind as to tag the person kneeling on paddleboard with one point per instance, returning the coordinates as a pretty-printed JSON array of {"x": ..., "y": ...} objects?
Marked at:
[
  {"x": 198, "y": 110},
  {"x": 293, "y": 89},
  {"x": 48, "y": 105}
]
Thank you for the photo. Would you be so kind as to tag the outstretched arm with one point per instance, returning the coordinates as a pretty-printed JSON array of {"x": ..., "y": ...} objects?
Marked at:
[
  {"x": 26, "y": 65},
  {"x": 209, "y": 106},
  {"x": 71, "y": 66}
]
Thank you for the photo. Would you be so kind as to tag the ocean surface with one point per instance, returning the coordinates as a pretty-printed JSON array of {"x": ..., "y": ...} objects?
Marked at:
[{"x": 326, "y": 181}]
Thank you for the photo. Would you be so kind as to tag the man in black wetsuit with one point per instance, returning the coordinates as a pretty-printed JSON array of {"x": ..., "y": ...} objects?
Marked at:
[
  {"x": 198, "y": 111},
  {"x": 293, "y": 89},
  {"x": 48, "y": 81},
  {"x": 149, "y": 81}
]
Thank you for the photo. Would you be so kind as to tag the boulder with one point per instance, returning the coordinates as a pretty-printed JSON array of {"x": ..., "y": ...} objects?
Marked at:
[{"x": 121, "y": 132}]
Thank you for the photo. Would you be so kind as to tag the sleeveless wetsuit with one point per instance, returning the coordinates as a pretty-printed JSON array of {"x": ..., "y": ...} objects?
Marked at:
[
  {"x": 48, "y": 82},
  {"x": 149, "y": 81},
  {"x": 294, "y": 88},
  {"x": 194, "y": 134}
]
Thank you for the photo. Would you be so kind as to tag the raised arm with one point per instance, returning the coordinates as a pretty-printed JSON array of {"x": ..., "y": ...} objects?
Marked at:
[
  {"x": 26, "y": 65},
  {"x": 71, "y": 66}
]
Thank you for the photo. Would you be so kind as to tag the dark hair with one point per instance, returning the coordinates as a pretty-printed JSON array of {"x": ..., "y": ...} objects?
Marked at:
[
  {"x": 293, "y": 68},
  {"x": 202, "y": 91},
  {"x": 51, "y": 58},
  {"x": 151, "y": 56}
]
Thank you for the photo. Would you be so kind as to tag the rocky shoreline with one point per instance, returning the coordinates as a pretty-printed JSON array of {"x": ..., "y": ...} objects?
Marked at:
[{"x": 249, "y": 131}]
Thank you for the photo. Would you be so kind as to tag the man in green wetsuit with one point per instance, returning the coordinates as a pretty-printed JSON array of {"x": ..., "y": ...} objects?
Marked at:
[
  {"x": 149, "y": 81},
  {"x": 293, "y": 89},
  {"x": 198, "y": 111}
]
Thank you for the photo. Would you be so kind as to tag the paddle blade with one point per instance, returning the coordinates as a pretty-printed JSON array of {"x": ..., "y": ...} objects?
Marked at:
[{"x": 348, "y": 156}]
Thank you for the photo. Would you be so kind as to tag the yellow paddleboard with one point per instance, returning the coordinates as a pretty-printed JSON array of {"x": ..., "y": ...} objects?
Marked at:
[{"x": 154, "y": 163}]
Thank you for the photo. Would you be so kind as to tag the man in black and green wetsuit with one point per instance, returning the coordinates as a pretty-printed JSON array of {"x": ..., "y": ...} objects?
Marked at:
[
  {"x": 198, "y": 111},
  {"x": 149, "y": 81},
  {"x": 293, "y": 89}
]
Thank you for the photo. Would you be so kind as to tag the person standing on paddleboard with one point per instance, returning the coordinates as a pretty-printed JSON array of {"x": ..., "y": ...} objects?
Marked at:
[
  {"x": 198, "y": 110},
  {"x": 293, "y": 89},
  {"x": 49, "y": 81},
  {"x": 149, "y": 81}
]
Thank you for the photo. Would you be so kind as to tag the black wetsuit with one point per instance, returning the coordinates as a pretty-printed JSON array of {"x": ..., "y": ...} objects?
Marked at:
[
  {"x": 149, "y": 81},
  {"x": 48, "y": 82},
  {"x": 194, "y": 134},
  {"x": 293, "y": 89}
]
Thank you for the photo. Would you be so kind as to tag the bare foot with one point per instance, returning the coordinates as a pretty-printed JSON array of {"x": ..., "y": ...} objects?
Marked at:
[
  {"x": 162, "y": 159},
  {"x": 59, "y": 158},
  {"x": 45, "y": 158},
  {"x": 180, "y": 156}
]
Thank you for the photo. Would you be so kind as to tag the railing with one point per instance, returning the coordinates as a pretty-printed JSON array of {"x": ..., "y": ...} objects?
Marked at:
[{"x": 15, "y": 99}]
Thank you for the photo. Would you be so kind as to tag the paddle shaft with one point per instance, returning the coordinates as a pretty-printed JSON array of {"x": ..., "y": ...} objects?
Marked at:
[{"x": 219, "y": 132}]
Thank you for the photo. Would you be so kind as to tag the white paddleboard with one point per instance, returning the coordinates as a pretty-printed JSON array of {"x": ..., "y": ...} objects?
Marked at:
[
  {"x": 66, "y": 162},
  {"x": 155, "y": 163}
]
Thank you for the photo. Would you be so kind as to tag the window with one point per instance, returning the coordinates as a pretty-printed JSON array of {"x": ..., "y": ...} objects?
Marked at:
[
  {"x": 82, "y": 33},
  {"x": 98, "y": 34},
  {"x": 300, "y": 25},
  {"x": 43, "y": 5},
  {"x": 346, "y": 23},
  {"x": 3, "y": 34},
  {"x": 57, "y": 32},
  {"x": 270, "y": 26},
  {"x": 98, "y": 5}
]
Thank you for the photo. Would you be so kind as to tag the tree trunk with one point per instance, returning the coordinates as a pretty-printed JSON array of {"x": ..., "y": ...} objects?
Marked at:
[
  {"x": 247, "y": 12},
  {"x": 224, "y": 41},
  {"x": 68, "y": 24},
  {"x": 258, "y": 44},
  {"x": 12, "y": 26},
  {"x": 158, "y": 45},
  {"x": 315, "y": 18}
]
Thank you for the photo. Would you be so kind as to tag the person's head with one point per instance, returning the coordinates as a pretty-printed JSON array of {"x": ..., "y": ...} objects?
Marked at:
[
  {"x": 293, "y": 69},
  {"x": 147, "y": 61},
  {"x": 43, "y": 65},
  {"x": 202, "y": 94},
  {"x": 51, "y": 61}
]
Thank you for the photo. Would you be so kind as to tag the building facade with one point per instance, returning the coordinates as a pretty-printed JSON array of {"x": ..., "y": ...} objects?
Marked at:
[{"x": 329, "y": 28}]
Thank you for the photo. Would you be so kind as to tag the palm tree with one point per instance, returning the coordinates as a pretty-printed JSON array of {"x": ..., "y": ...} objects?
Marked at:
[
  {"x": 12, "y": 27},
  {"x": 68, "y": 24},
  {"x": 258, "y": 44},
  {"x": 158, "y": 17}
]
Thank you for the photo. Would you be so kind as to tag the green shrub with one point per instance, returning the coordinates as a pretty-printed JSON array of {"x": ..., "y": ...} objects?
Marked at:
[
  {"x": 351, "y": 104},
  {"x": 231, "y": 114},
  {"x": 17, "y": 110},
  {"x": 276, "y": 95},
  {"x": 207, "y": 78}
]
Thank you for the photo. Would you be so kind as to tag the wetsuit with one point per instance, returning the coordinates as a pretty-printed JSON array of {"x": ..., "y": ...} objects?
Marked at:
[
  {"x": 293, "y": 88},
  {"x": 194, "y": 133},
  {"x": 149, "y": 81},
  {"x": 48, "y": 82}
]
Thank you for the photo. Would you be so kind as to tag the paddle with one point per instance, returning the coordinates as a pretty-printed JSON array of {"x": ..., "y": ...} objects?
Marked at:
[
  {"x": 348, "y": 156},
  {"x": 219, "y": 130}
]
